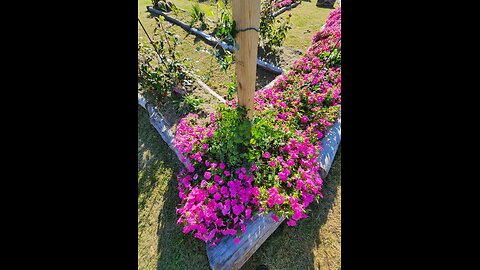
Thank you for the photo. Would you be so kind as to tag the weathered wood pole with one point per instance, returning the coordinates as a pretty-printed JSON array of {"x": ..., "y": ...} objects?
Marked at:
[{"x": 246, "y": 14}]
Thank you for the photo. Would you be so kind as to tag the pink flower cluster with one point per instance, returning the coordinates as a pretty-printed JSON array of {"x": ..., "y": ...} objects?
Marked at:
[
  {"x": 217, "y": 199},
  {"x": 283, "y": 3},
  {"x": 189, "y": 134},
  {"x": 220, "y": 205}
]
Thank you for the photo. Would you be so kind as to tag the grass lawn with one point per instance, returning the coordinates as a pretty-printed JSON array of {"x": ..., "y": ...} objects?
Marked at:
[
  {"x": 306, "y": 21},
  {"x": 313, "y": 244}
]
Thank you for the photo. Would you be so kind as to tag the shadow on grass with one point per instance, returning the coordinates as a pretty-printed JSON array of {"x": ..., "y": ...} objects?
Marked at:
[
  {"x": 155, "y": 163},
  {"x": 175, "y": 249},
  {"x": 158, "y": 198}
]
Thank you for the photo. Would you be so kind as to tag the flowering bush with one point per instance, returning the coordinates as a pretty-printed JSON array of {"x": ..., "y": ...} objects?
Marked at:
[
  {"x": 161, "y": 71},
  {"x": 239, "y": 167}
]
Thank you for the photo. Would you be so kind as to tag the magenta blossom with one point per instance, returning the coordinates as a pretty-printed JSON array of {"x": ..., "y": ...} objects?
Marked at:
[
  {"x": 275, "y": 218},
  {"x": 291, "y": 223}
]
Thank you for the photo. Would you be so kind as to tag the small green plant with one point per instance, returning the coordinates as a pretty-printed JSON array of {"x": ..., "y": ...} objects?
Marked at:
[
  {"x": 193, "y": 103},
  {"x": 188, "y": 103},
  {"x": 273, "y": 31},
  {"x": 225, "y": 25},
  {"x": 224, "y": 59},
  {"x": 163, "y": 5},
  {"x": 197, "y": 14},
  {"x": 232, "y": 139},
  {"x": 232, "y": 89},
  {"x": 161, "y": 70}
]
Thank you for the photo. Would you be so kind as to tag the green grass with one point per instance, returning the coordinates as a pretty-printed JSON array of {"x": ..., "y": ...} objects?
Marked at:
[
  {"x": 161, "y": 243},
  {"x": 306, "y": 21}
]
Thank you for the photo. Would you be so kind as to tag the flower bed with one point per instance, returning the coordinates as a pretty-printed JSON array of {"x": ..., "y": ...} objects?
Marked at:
[{"x": 240, "y": 167}]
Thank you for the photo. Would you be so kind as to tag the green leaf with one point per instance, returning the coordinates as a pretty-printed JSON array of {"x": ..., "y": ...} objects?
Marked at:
[{"x": 208, "y": 11}]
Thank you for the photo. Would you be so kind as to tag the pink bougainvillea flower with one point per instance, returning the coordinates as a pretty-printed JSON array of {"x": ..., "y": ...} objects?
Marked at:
[
  {"x": 272, "y": 163},
  {"x": 237, "y": 209},
  {"x": 236, "y": 240},
  {"x": 290, "y": 162},
  {"x": 224, "y": 191},
  {"x": 275, "y": 218},
  {"x": 291, "y": 223},
  {"x": 248, "y": 212},
  {"x": 283, "y": 175},
  {"x": 254, "y": 167},
  {"x": 279, "y": 199},
  {"x": 217, "y": 179},
  {"x": 186, "y": 229},
  {"x": 231, "y": 231},
  {"x": 213, "y": 165},
  {"x": 212, "y": 189},
  {"x": 266, "y": 155},
  {"x": 227, "y": 173},
  {"x": 207, "y": 175},
  {"x": 205, "y": 146},
  {"x": 271, "y": 202},
  {"x": 222, "y": 166},
  {"x": 305, "y": 119},
  {"x": 297, "y": 215}
]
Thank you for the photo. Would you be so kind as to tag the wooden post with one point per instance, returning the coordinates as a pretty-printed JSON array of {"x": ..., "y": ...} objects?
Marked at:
[{"x": 246, "y": 14}]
